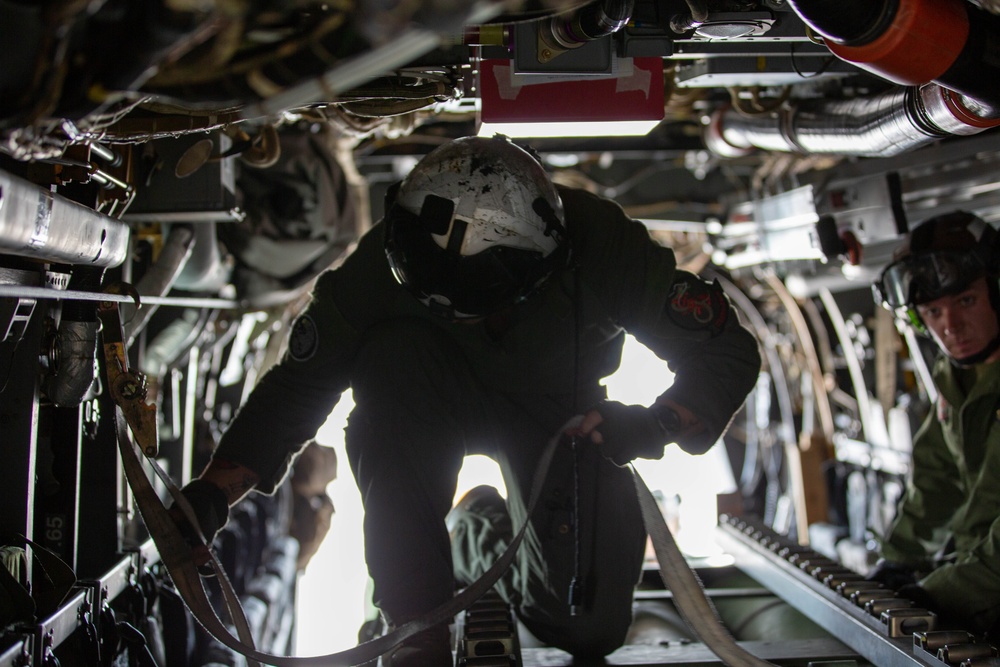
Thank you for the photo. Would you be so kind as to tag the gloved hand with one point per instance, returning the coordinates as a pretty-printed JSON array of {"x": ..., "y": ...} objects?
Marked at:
[
  {"x": 892, "y": 574},
  {"x": 210, "y": 507},
  {"x": 918, "y": 594},
  {"x": 629, "y": 432}
]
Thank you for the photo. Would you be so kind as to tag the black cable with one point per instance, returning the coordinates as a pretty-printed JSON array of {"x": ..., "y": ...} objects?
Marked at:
[
  {"x": 819, "y": 71},
  {"x": 576, "y": 583}
]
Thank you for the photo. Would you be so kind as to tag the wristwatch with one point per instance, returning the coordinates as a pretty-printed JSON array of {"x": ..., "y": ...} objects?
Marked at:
[{"x": 668, "y": 419}]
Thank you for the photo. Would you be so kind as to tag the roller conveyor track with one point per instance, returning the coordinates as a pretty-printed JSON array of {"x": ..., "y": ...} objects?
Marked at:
[{"x": 871, "y": 619}]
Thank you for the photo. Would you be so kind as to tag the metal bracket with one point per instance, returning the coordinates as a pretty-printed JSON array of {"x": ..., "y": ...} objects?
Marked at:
[
  {"x": 16, "y": 656},
  {"x": 19, "y": 319}
]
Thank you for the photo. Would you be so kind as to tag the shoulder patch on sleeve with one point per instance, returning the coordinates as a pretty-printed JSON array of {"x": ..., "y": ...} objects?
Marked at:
[
  {"x": 304, "y": 339},
  {"x": 696, "y": 305}
]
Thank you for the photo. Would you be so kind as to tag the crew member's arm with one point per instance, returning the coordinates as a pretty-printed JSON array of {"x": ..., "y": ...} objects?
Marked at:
[
  {"x": 935, "y": 507},
  {"x": 220, "y": 486},
  {"x": 932, "y": 496},
  {"x": 686, "y": 321},
  {"x": 282, "y": 414},
  {"x": 716, "y": 363},
  {"x": 715, "y": 359},
  {"x": 966, "y": 591},
  {"x": 234, "y": 479},
  {"x": 626, "y": 432}
]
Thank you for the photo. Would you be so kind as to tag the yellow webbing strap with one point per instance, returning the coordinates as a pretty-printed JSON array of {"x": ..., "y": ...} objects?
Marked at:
[{"x": 688, "y": 594}]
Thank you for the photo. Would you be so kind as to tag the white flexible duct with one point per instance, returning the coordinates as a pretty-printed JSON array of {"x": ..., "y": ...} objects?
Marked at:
[
  {"x": 76, "y": 363},
  {"x": 895, "y": 122}
]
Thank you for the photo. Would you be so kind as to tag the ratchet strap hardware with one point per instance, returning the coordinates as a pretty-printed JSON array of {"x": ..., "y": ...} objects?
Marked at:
[{"x": 127, "y": 387}]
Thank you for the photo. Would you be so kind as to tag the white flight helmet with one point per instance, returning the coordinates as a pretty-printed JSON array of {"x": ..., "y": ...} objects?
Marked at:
[{"x": 475, "y": 227}]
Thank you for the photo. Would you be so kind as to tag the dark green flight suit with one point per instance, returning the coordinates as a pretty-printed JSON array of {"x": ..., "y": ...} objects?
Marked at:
[
  {"x": 429, "y": 391},
  {"x": 954, "y": 495}
]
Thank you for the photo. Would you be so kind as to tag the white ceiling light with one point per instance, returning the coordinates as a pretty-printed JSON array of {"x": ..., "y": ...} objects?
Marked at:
[{"x": 601, "y": 128}]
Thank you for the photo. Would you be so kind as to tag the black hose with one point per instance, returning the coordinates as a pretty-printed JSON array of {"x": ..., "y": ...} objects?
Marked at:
[
  {"x": 850, "y": 22},
  {"x": 592, "y": 22},
  {"x": 575, "y": 593},
  {"x": 605, "y": 18},
  {"x": 976, "y": 72}
]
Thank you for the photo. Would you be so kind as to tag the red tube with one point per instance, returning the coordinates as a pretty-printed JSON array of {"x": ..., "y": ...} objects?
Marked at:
[{"x": 923, "y": 41}]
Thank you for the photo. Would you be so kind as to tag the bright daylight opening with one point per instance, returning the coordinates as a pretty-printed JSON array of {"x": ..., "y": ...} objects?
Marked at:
[{"x": 333, "y": 591}]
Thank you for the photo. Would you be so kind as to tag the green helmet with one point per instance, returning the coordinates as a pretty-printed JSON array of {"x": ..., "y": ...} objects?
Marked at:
[{"x": 940, "y": 257}]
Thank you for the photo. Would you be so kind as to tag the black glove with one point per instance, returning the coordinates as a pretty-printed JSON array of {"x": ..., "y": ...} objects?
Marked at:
[
  {"x": 918, "y": 594},
  {"x": 892, "y": 574},
  {"x": 633, "y": 431},
  {"x": 210, "y": 506}
]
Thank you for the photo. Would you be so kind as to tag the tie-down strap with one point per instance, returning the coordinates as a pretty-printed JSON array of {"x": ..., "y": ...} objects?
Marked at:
[{"x": 177, "y": 555}]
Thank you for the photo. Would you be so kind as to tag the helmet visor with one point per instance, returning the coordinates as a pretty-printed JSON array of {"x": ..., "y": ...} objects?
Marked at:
[
  {"x": 925, "y": 277},
  {"x": 460, "y": 286}
]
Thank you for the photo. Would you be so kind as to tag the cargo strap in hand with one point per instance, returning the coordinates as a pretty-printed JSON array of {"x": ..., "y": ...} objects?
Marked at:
[
  {"x": 128, "y": 392},
  {"x": 177, "y": 554}
]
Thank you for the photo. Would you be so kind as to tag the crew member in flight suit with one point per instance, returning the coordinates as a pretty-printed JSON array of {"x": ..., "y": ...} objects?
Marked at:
[
  {"x": 478, "y": 317},
  {"x": 943, "y": 549}
]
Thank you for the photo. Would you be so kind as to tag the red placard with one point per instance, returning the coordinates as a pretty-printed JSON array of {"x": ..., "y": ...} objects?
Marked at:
[{"x": 635, "y": 94}]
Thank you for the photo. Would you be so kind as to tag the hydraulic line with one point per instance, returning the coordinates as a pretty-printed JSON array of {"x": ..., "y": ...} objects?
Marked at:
[
  {"x": 696, "y": 15},
  {"x": 253, "y": 76},
  {"x": 781, "y": 390}
]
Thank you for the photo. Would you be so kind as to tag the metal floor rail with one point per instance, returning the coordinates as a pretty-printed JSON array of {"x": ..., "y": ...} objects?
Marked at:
[{"x": 886, "y": 630}]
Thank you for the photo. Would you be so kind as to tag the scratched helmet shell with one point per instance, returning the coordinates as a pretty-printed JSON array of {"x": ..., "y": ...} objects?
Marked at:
[{"x": 477, "y": 226}]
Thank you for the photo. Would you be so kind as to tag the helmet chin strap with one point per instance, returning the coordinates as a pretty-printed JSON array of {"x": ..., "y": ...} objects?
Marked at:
[{"x": 980, "y": 356}]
